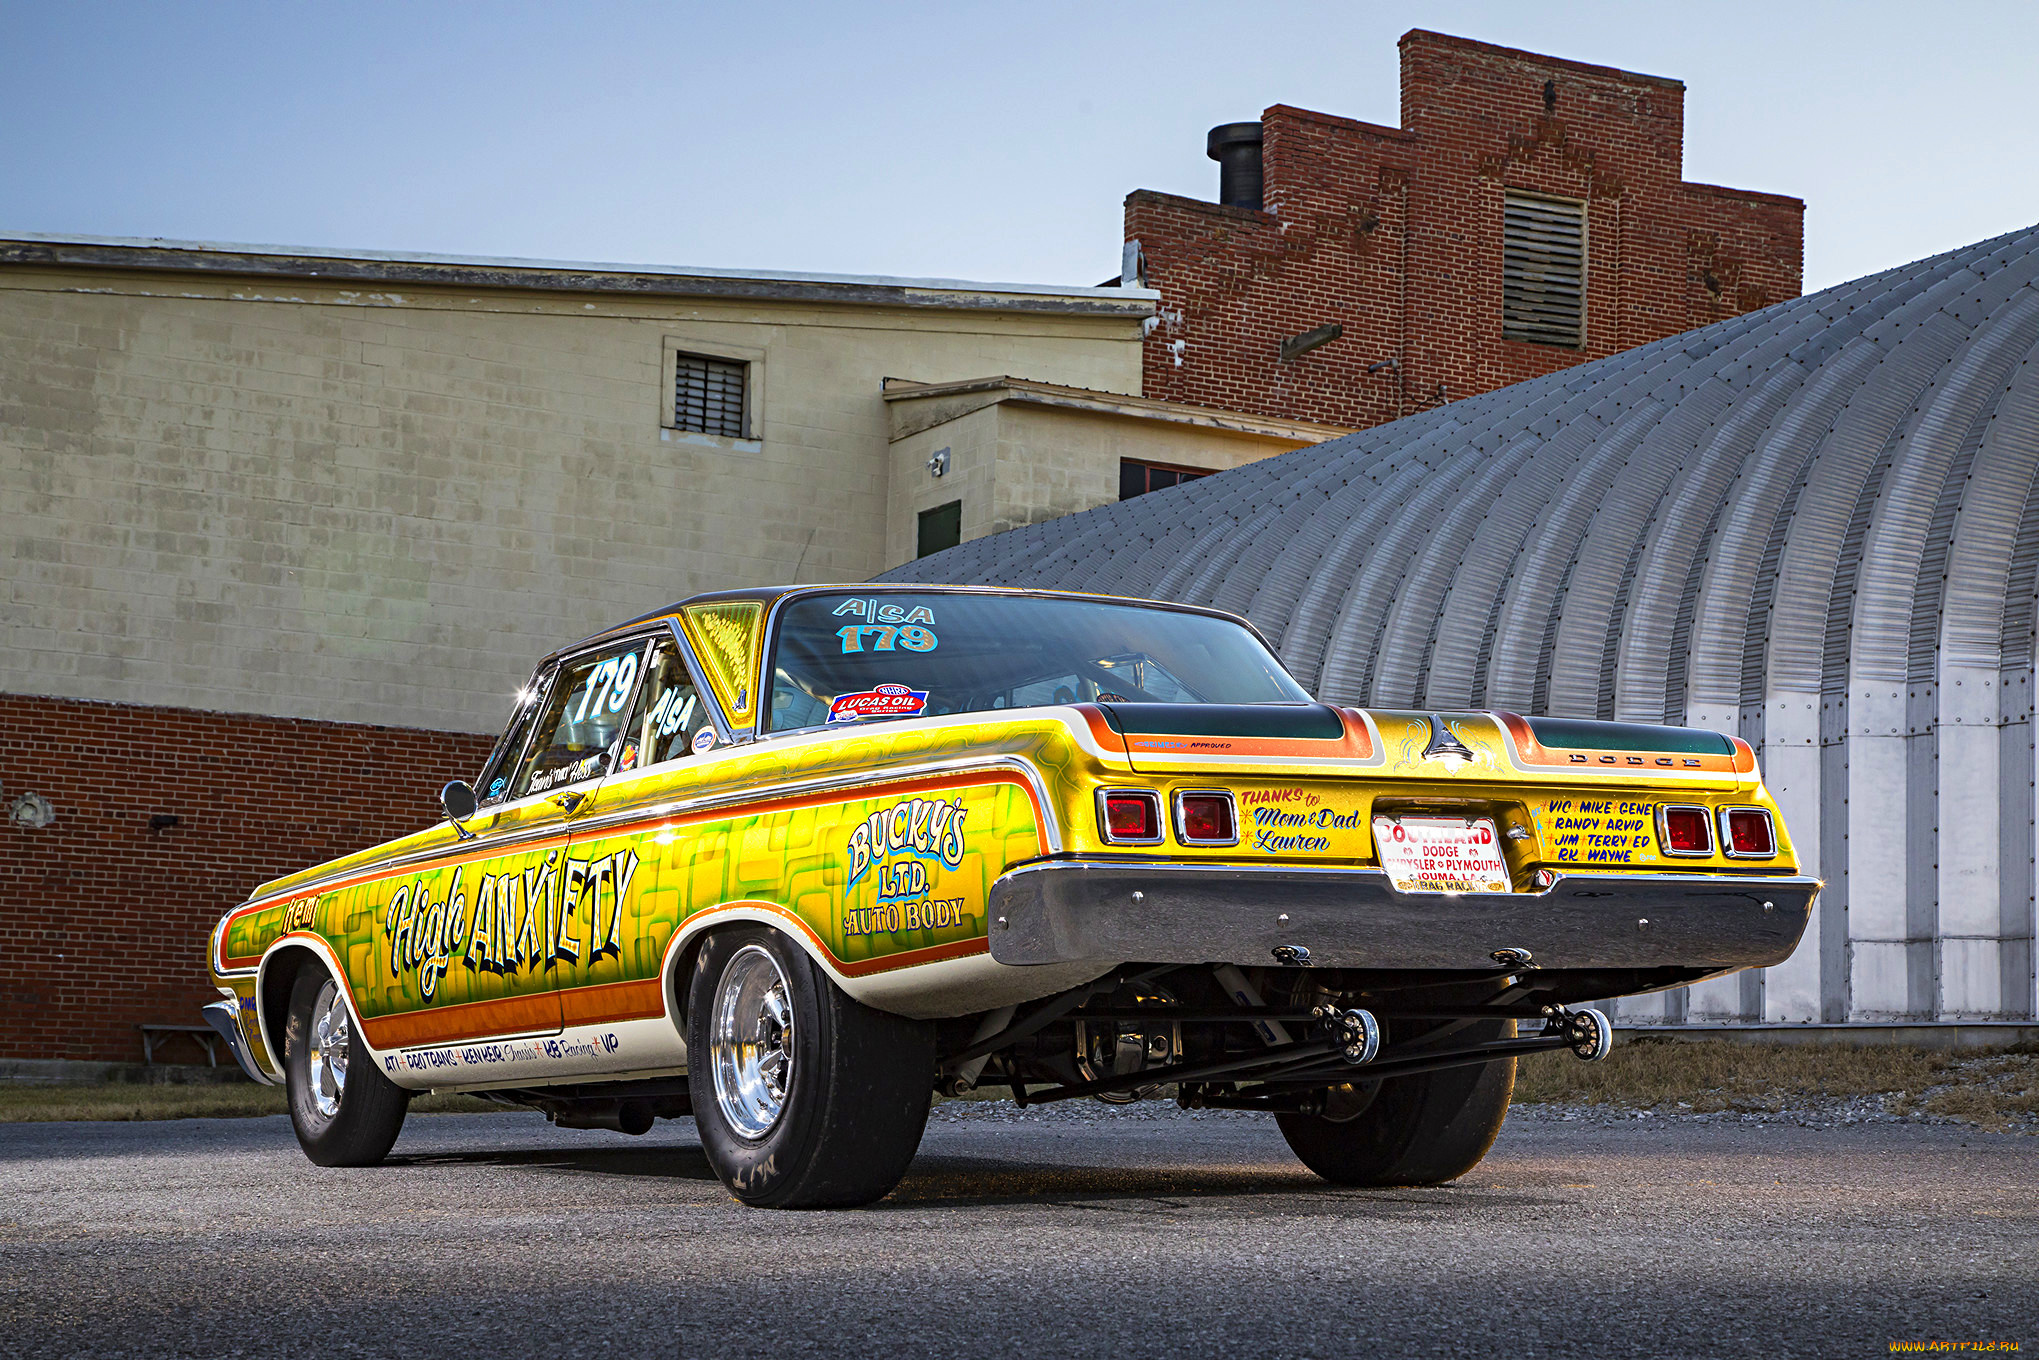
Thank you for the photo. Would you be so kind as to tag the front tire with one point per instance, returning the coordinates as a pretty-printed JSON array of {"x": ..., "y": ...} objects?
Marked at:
[
  {"x": 346, "y": 1113},
  {"x": 1420, "y": 1130},
  {"x": 803, "y": 1098}
]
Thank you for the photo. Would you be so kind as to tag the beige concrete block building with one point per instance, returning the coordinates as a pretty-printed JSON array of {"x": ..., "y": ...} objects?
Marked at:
[{"x": 363, "y": 489}]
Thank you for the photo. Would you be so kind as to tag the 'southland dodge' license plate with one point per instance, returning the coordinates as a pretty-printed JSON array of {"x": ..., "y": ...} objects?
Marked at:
[{"x": 1441, "y": 854}]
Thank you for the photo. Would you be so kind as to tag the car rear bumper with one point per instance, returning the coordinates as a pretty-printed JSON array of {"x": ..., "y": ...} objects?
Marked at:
[{"x": 1062, "y": 911}]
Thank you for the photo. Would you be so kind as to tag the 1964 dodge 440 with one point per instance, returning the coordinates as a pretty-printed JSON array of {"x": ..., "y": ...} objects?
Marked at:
[{"x": 791, "y": 861}]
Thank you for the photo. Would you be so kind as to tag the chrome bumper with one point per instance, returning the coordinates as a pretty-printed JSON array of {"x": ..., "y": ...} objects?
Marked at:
[
  {"x": 225, "y": 1016},
  {"x": 1064, "y": 911}
]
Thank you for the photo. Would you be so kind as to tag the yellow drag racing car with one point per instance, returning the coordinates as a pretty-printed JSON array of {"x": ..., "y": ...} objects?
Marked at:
[{"x": 789, "y": 861}]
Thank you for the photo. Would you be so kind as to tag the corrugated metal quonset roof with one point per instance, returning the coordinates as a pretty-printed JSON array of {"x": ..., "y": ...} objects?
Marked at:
[{"x": 1814, "y": 525}]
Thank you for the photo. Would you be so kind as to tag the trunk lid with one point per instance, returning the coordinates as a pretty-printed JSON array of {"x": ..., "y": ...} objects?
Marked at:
[{"x": 1223, "y": 738}]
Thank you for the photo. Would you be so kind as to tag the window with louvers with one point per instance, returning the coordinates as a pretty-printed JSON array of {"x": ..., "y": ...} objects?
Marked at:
[
  {"x": 1543, "y": 263},
  {"x": 708, "y": 396}
]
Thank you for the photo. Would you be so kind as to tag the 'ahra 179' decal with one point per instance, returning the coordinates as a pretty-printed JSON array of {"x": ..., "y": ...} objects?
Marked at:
[
  {"x": 871, "y": 611},
  {"x": 918, "y": 828},
  {"x": 523, "y": 918},
  {"x": 886, "y": 626}
]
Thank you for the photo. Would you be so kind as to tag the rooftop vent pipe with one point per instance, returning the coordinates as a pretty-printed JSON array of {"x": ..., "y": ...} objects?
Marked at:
[{"x": 1236, "y": 149}]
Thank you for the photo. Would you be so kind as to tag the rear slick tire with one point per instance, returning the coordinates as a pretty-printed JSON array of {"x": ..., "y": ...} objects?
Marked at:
[
  {"x": 345, "y": 1111},
  {"x": 1419, "y": 1130},
  {"x": 803, "y": 1098}
]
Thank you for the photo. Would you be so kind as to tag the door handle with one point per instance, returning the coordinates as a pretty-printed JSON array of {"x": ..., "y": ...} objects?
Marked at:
[{"x": 570, "y": 801}]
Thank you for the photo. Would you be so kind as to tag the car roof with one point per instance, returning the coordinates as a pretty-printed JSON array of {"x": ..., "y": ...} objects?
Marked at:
[{"x": 769, "y": 596}]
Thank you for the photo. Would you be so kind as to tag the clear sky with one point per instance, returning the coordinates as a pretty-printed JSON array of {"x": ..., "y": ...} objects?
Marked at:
[{"x": 962, "y": 140}]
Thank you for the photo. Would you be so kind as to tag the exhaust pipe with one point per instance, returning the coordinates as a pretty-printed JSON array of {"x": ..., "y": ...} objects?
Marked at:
[{"x": 633, "y": 1117}]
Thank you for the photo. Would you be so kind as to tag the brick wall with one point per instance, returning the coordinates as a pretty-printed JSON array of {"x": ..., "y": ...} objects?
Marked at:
[
  {"x": 1396, "y": 234},
  {"x": 103, "y": 922}
]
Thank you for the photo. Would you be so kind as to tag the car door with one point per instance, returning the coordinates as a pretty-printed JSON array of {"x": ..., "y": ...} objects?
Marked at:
[
  {"x": 624, "y": 897},
  {"x": 423, "y": 945},
  {"x": 513, "y": 896}
]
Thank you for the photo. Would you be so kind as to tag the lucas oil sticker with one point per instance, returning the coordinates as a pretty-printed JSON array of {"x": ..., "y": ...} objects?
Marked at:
[{"x": 881, "y": 701}]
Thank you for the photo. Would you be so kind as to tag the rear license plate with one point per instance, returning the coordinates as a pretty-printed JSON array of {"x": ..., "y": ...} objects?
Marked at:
[{"x": 1441, "y": 854}]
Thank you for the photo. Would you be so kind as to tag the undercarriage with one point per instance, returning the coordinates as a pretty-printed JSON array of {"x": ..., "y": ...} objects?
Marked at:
[
  {"x": 1291, "y": 1040},
  {"x": 1284, "y": 1040}
]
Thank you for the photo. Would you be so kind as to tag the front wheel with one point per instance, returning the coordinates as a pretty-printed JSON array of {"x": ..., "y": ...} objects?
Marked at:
[
  {"x": 1420, "y": 1130},
  {"x": 346, "y": 1113},
  {"x": 803, "y": 1098}
]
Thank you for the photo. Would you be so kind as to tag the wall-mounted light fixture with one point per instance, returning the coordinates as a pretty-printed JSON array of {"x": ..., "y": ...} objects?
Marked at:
[
  {"x": 939, "y": 464},
  {"x": 32, "y": 811}
]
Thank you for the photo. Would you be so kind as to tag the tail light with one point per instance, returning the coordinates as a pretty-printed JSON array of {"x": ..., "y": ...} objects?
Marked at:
[
  {"x": 1746, "y": 833},
  {"x": 1205, "y": 819},
  {"x": 1130, "y": 816},
  {"x": 1684, "y": 830}
]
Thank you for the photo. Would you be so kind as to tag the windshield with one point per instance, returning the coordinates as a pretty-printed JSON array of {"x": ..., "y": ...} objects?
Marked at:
[{"x": 845, "y": 658}]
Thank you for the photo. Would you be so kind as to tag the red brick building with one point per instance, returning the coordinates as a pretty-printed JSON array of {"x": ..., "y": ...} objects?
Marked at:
[
  {"x": 166, "y": 817},
  {"x": 1529, "y": 214}
]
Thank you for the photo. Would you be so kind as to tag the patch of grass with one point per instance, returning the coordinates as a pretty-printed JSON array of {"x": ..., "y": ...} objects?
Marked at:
[
  {"x": 1989, "y": 1087},
  {"x": 1719, "y": 1075},
  {"x": 1996, "y": 1091},
  {"x": 34, "y": 1102},
  {"x": 25, "y": 1102}
]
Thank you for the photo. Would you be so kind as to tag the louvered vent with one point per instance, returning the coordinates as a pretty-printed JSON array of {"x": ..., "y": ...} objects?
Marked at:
[
  {"x": 1543, "y": 261},
  {"x": 708, "y": 396}
]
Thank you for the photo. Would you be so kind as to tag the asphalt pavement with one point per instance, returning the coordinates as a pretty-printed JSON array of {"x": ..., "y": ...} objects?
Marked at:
[{"x": 1062, "y": 1232}]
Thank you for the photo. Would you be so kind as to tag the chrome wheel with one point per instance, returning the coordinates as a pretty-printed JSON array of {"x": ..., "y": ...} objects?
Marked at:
[
  {"x": 750, "y": 1042},
  {"x": 329, "y": 1042}
]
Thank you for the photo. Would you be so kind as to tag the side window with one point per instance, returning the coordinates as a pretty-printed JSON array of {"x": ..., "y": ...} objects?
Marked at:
[
  {"x": 494, "y": 784},
  {"x": 669, "y": 712},
  {"x": 581, "y": 719}
]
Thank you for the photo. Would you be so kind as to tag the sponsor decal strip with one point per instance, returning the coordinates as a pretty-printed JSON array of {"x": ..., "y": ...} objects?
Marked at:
[{"x": 604, "y": 1003}]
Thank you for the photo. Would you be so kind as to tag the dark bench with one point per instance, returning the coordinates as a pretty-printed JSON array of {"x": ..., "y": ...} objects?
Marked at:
[{"x": 205, "y": 1036}]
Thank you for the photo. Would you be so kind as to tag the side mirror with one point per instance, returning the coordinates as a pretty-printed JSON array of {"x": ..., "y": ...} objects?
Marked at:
[{"x": 458, "y": 800}]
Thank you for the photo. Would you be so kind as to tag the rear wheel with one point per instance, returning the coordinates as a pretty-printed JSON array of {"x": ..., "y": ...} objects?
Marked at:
[
  {"x": 803, "y": 1098},
  {"x": 1419, "y": 1130},
  {"x": 346, "y": 1113}
]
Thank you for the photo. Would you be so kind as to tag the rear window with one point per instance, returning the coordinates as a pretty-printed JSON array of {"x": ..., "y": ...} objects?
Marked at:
[{"x": 841, "y": 659}]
